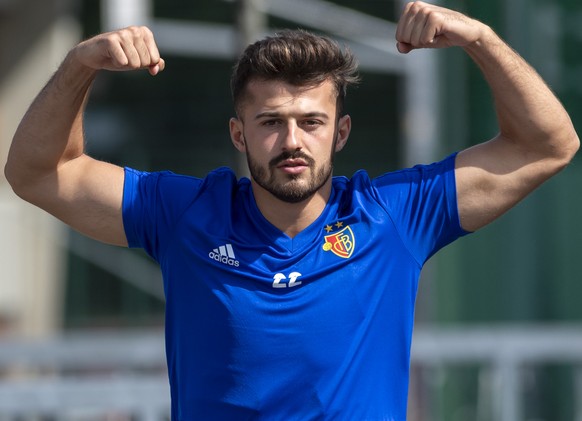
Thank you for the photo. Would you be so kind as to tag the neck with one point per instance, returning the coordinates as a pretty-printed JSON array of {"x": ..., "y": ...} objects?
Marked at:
[{"x": 291, "y": 218}]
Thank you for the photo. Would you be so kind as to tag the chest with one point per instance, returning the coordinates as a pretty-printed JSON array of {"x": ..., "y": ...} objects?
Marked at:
[{"x": 344, "y": 268}]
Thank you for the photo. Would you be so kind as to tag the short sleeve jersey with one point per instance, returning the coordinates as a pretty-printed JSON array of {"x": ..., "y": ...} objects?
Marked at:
[{"x": 261, "y": 326}]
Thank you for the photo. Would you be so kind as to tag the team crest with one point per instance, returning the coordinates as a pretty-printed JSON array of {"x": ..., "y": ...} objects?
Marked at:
[{"x": 341, "y": 243}]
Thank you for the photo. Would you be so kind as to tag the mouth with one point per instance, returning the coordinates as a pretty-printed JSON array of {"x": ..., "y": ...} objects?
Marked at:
[{"x": 293, "y": 165}]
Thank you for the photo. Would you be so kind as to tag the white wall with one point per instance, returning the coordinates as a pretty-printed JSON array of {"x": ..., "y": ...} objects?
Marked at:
[{"x": 31, "y": 256}]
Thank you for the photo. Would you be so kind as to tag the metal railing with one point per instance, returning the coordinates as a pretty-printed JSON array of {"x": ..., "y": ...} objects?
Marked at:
[
  {"x": 505, "y": 355},
  {"x": 122, "y": 376},
  {"x": 85, "y": 376}
]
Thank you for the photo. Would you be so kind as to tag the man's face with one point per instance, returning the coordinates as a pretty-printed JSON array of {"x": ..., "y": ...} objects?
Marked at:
[{"x": 290, "y": 135}]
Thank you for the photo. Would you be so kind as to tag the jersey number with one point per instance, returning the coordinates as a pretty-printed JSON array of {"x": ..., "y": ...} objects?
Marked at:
[{"x": 279, "y": 278}]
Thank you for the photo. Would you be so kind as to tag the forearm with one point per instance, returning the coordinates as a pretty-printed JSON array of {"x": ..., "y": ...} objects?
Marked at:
[
  {"x": 528, "y": 112},
  {"x": 51, "y": 132}
]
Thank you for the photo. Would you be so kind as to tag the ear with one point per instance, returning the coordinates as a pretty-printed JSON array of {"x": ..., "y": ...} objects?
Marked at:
[
  {"x": 344, "y": 126},
  {"x": 236, "y": 134}
]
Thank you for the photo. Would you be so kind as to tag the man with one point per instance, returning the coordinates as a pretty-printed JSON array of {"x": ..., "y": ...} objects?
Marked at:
[{"x": 291, "y": 295}]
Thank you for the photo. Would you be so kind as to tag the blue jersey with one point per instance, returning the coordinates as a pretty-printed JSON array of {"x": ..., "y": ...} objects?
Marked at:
[{"x": 263, "y": 326}]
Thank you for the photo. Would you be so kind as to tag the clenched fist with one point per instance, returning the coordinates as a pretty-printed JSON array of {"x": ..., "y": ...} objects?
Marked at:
[
  {"x": 424, "y": 25},
  {"x": 126, "y": 49}
]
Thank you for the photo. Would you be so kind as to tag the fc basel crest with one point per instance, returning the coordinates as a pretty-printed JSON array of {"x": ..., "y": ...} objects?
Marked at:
[{"x": 341, "y": 243}]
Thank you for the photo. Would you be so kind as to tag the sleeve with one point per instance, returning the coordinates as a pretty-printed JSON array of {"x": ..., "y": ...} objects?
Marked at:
[
  {"x": 422, "y": 203},
  {"x": 152, "y": 205}
]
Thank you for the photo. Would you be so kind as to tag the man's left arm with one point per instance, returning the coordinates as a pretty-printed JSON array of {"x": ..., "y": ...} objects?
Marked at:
[{"x": 536, "y": 137}]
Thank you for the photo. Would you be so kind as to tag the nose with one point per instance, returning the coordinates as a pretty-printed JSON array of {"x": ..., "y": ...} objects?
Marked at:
[{"x": 291, "y": 137}]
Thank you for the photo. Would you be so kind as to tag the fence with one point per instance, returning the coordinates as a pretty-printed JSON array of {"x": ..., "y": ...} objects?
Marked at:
[
  {"x": 89, "y": 376},
  {"x": 122, "y": 376}
]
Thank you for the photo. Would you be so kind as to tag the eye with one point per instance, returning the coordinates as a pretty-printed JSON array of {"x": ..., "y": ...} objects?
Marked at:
[
  {"x": 312, "y": 124},
  {"x": 270, "y": 122}
]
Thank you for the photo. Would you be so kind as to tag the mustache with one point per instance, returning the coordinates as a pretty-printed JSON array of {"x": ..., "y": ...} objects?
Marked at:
[{"x": 291, "y": 155}]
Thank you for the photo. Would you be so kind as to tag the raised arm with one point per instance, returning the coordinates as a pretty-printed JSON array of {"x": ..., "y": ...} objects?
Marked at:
[
  {"x": 47, "y": 165},
  {"x": 536, "y": 137}
]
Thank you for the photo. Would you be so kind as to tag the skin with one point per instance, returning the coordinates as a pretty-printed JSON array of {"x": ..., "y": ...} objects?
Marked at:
[
  {"x": 290, "y": 135},
  {"x": 536, "y": 137},
  {"x": 47, "y": 165}
]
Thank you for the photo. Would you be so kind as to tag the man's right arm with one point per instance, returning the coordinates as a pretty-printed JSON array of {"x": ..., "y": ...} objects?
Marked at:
[{"x": 47, "y": 165}]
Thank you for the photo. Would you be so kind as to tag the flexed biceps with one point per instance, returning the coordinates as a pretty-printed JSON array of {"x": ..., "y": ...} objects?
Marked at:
[{"x": 263, "y": 321}]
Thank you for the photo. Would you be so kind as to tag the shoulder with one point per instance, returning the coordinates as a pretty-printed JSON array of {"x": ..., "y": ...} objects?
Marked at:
[
  {"x": 361, "y": 180},
  {"x": 168, "y": 181},
  {"x": 168, "y": 193},
  {"x": 400, "y": 188},
  {"x": 419, "y": 173}
]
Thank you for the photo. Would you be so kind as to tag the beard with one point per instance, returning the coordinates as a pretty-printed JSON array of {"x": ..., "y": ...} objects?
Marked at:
[{"x": 294, "y": 188}]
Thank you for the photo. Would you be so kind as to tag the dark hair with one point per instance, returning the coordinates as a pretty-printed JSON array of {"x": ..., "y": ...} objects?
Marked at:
[{"x": 296, "y": 57}]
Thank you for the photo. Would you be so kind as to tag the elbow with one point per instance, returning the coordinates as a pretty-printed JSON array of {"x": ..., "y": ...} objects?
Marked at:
[
  {"x": 575, "y": 145},
  {"x": 12, "y": 178},
  {"x": 9, "y": 174},
  {"x": 16, "y": 179},
  {"x": 562, "y": 144},
  {"x": 570, "y": 146}
]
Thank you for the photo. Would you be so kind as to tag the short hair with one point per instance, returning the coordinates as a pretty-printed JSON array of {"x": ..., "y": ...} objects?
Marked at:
[{"x": 297, "y": 57}]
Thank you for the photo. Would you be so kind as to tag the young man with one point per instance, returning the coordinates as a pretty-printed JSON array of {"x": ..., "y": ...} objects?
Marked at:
[{"x": 291, "y": 295}]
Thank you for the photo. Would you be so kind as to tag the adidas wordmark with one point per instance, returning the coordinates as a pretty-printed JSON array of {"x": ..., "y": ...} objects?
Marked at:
[{"x": 224, "y": 254}]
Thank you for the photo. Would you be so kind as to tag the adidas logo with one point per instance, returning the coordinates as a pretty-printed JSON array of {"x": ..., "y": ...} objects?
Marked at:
[{"x": 224, "y": 254}]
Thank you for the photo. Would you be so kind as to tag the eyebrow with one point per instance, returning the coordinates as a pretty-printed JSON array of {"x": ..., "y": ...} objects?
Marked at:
[{"x": 312, "y": 114}]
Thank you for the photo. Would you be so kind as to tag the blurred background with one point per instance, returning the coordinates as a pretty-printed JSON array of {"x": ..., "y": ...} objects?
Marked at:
[{"x": 498, "y": 333}]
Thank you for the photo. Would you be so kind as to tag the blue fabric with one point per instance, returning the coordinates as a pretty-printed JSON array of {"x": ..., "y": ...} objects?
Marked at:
[{"x": 263, "y": 326}]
